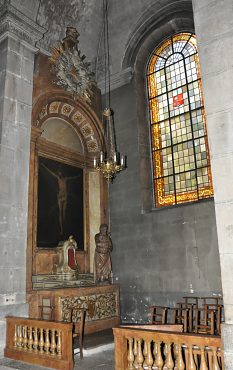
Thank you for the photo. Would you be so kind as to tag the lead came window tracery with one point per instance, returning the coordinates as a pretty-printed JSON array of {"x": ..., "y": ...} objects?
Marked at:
[{"x": 180, "y": 152}]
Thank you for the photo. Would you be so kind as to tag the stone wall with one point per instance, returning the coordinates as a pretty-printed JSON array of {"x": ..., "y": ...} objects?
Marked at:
[
  {"x": 214, "y": 26},
  {"x": 161, "y": 255},
  {"x": 16, "y": 75}
]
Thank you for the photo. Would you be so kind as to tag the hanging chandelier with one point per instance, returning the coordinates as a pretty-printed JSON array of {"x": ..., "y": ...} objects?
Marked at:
[{"x": 110, "y": 161}]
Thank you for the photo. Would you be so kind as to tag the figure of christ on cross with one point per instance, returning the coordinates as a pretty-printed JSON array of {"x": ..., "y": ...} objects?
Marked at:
[{"x": 62, "y": 194}]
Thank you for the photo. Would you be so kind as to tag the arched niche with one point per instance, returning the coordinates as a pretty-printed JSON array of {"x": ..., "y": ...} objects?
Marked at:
[
  {"x": 59, "y": 131},
  {"x": 69, "y": 133}
]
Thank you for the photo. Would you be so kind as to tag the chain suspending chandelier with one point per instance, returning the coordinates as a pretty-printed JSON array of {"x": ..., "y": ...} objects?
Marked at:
[{"x": 110, "y": 161}]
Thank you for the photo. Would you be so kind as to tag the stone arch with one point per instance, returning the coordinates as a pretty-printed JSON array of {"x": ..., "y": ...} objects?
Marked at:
[
  {"x": 154, "y": 24},
  {"x": 159, "y": 21}
]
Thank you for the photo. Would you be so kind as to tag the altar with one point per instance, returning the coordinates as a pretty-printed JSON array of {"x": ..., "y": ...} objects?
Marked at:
[
  {"x": 64, "y": 293},
  {"x": 100, "y": 301}
]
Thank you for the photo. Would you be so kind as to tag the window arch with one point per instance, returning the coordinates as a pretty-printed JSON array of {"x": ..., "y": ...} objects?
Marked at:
[{"x": 180, "y": 153}]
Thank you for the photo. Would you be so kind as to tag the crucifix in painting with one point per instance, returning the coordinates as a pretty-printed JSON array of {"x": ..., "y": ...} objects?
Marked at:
[
  {"x": 62, "y": 194},
  {"x": 60, "y": 203}
]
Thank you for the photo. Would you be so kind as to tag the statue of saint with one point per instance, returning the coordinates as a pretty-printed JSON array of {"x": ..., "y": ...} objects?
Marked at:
[
  {"x": 70, "y": 42},
  {"x": 102, "y": 259}
]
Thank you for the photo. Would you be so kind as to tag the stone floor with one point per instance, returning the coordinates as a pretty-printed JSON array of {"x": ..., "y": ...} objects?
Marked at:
[{"x": 100, "y": 361}]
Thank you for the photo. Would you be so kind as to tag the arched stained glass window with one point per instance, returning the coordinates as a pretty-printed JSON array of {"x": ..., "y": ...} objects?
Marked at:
[{"x": 180, "y": 154}]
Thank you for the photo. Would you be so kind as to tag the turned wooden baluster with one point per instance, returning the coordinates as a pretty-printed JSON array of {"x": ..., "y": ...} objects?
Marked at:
[
  {"x": 15, "y": 340},
  {"x": 139, "y": 355},
  {"x": 203, "y": 365},
  {"x": 25, "y": 337},
  {"x": 59, "y": 343},
  {"x": 30, "y": 339},
  {"x": 53, "y": 343},
  {"x": 158, "y": 364},
  {"x": 41, "y": 342},
  {"x": 135, "y": 352},
  {"x": 36, "y": 340},
  {"x": 175, "y": 350},
  {"x": 192, "y": 365},
  {"x": 155, "y": 352},
  {"x": 215, "y": 360},
  {"x": 20, "y": 337},
  {"x": 169, "y": 360},
  {"x": 149, "y": 357},
  {"x": 130, "y": 356},
  {"x": 47, "y": 341},
  {"x": 144, "y": 353},
  {"x": 179, "y": 358}
]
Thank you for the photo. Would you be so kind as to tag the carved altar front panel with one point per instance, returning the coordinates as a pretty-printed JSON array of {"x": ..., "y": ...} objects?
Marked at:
[
  {"x": 101, "y": 302},
  {"x": 98, "y": 306}
]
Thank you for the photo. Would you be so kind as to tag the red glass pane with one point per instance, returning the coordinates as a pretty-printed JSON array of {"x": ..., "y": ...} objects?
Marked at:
[{"x": 178, "y": 100}]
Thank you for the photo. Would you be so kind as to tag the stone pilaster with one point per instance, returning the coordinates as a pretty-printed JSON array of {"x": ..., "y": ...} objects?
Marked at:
[
  {"x": 214, "y": 29},
  {"x": 18, "y": 35}
]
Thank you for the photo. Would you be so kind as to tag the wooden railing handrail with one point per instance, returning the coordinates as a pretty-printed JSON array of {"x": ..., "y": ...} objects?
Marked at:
[
  {"x": 178, "y": 328},
  {"x": 172, "y": 337},
  {"x": 39, "y": 322}
]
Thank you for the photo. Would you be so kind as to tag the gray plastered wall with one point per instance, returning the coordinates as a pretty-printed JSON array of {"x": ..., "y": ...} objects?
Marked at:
[{"x": 161, "y": 255}]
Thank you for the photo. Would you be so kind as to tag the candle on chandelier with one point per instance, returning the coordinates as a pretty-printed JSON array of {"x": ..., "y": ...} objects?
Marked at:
[
  {"x": 122, "y": 160},
  {"x": 101, "y": 157},
  {"x": 115, "y": 157},
  {"x": 95, "y": 162}
]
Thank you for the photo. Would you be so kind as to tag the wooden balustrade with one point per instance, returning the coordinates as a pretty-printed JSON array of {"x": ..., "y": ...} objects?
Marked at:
[
  {"x": 40, "y": 342},
  {"x": 160, "y": 350}
]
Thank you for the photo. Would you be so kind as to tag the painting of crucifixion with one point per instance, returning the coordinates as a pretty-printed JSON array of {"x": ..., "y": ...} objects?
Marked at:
[{"x": 60, "y": 203}]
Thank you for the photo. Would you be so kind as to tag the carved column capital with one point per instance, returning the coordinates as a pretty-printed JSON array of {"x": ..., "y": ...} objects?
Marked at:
[{"x": 15, "y": 24}]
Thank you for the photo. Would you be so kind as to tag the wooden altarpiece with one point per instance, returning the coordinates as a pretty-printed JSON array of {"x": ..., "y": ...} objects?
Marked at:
[{"x": 53, "y": 104}]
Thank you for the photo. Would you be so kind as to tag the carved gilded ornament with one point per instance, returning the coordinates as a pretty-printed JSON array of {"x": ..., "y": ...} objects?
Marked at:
[
  {"x": 54, "y": 107},
  {"x": 72, "y": 72},
  {"x": 78, "y": 118},
  {"x": 87, "y": 130},
  {"x": 67, "y": 109},
  {"x": 92, "y": 146},
  {"x": 98, "y": 306},
  {"x": 43, "y": 112}
]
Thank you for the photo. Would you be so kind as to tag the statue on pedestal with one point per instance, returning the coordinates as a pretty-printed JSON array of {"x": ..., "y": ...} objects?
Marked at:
[{"x": 102, "y": 259}]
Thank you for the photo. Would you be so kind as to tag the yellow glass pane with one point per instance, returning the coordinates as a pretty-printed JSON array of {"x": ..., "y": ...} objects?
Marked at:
[{"x": 155, "y": 137}]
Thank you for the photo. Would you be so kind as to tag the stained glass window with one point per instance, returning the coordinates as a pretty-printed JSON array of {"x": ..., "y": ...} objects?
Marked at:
[{"x": 180, "y": 153}]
